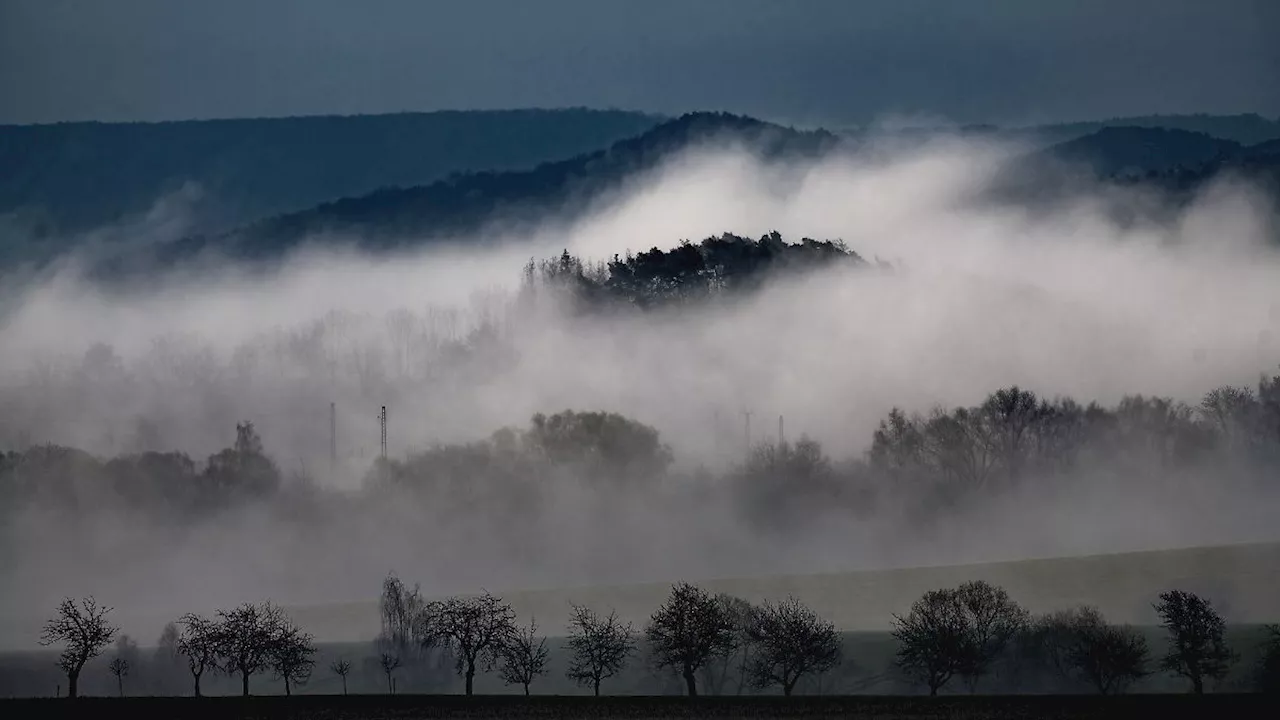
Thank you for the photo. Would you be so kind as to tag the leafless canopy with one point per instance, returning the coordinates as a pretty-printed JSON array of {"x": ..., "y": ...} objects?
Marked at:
[
  {"x": 1197, "y": 649},
  {"x": 956, "y": 632},
  {"x": 341, "y": 667},
  {"x": 247, "y": 637},
  {"x": 199, "y": 644},
  {"x": 83, "y": 627},
  {"x": 292, "y": 655},
  {"x": 599, "y": 646},
  {"x": 688, "y": 630},
  {"x": 790, "y": 641},
  {"x": 389, "y": 664},
  {"x": 1082, "y": 646},
  {"x": 474, "y": 629},
  {"x": 525, "y": 657}
]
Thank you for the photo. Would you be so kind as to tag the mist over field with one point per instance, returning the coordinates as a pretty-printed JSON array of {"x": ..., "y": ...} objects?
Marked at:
[{"x": 961, "y": 295}]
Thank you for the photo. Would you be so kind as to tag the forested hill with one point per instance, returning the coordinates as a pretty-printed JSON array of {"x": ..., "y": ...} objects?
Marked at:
[
  {"x": 68, "y": 177},
  {"x": 466, "y": 201}
]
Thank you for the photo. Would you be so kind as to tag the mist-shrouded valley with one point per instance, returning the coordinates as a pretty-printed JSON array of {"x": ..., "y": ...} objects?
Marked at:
[
  {"x": 598, "y": 377},
  {"x": 122, "y": 400}
]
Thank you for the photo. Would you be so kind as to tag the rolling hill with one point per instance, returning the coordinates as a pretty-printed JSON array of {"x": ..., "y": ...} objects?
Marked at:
[
  {"x": 1242, "y": 580},
  {"x": 68, "y": 177}
]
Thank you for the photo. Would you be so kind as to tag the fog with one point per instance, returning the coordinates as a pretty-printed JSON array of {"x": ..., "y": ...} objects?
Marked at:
[{"x": 971, "y": 295}]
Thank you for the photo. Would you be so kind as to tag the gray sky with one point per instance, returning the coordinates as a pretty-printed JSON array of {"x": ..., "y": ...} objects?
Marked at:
[{"x": 828, "y": 61}]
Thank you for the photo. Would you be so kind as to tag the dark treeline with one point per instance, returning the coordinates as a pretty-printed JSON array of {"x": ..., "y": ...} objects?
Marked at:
[
  {"x": 943, "y": 459},
  {"x": 725, "y": 266},
  {"x": 974, "y": 635}
]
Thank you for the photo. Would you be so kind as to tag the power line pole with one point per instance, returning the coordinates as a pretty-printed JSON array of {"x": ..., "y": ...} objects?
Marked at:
[
  {"x": 747, "y": 414},
  {"x": 382, "y": 421},
  {"x": 333, "y": 437},
  {"x": 781, "y": 437}
]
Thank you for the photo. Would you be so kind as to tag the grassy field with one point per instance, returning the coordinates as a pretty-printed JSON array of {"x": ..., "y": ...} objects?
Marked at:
[
  {"x": 408, "y": 707},
  {"x": 1243, "y": 581}
]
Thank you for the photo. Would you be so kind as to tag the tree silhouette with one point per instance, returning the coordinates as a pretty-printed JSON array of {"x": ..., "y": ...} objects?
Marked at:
[
  {"x": 243, "y": 470},
  {"x": 956, "y": 632},
  {"x": 341, "y": 668},
  {"x": 992, "y": 620},
  {"x": 200, "y": 643},
  {"x": 1082, "y": 646},
  {"x": 1197, "y": 649},
  {"x": 475, "y": 630},
  {"x": 247, "y": 637},
  {"x": 83, "y": 627},
  {"x": 525, "y": 657},
  {"x": 1268, "y": 671},
  {"x": 389, "y": 662},
  {"x": 598, "y": 646},
  {"x": 292, "y": 655},
  {"x": 119, "y": 667},
  {"x": 791, "y": 641},
  {"x": 689, "y": 629}
]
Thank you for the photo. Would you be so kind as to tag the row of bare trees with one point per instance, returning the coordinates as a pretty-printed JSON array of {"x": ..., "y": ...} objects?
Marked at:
[
  {"x": 693, "y": 630},
  {"x": 965, "y": 632},
  {"x": 245, "y": 641}
]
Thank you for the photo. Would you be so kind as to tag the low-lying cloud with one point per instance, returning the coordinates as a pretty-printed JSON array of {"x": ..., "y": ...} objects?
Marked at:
[{"x": 974, "y": 295}]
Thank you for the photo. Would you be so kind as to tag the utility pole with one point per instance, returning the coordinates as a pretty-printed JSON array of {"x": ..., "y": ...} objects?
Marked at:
[
  {"x": 333, "y": 438},
  {"x": 781, "y": 437},
  {"x": 382, "y": 421},
  {"x": 747, "y": 414}
]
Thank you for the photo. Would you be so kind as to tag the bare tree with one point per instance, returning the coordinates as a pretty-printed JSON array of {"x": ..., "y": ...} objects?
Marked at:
[
  {"x": 992, "y": 621},
  {"x": 1197, "y": 649},
  {"x": 1082, "y": 646},
  {"x": 1267, "y": 678},
  {"x": 931, "y": 638},
  {"x": 292, "y": 655},
  {"x": 599, "y": 646},
  {"x": 715, "y": 675},
  {"x": 389, "y": 664},
  {"x": 400, "y": 609},
  {"x": 83, "y": 627},
  {"x": 246, "y": 638},
  {"x": 689, "y": 629},
  {"x": 474, "y": 629},
  {"x": 524, "y": 658},
  {"x": 199, "y": 642},
  {"x": 341, "y": 668},
  {"x": 166, "y": 658},
  {"x": 119, "y": 667},
  {"x": 791, "y": 641}
]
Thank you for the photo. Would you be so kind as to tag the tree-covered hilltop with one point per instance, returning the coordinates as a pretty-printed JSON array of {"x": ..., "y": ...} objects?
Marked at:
[{"x": 690, "y": 272}]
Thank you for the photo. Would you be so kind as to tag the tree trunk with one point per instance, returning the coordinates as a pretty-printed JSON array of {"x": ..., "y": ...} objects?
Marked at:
[
  {"x": 788, "y": 686},
  {"x": 196, "y": 677},
  {"x": 526, "y": 689},
  {"x": 73, "y": 684},
  {"x": 597, "y": 687},
  {"x": 933, "y": 690},
  {"x": 389, "y": 689},
  {"x": 344, "y": 684},
  {"x": 690, "y": 683},
  {"x": 471, "y": 676},
  {"x": 120, "y": 685},
  {"x": 287, "y": 689},
  {"x": 1197, "y": 684},
  {"x": 244, "y": 680}
]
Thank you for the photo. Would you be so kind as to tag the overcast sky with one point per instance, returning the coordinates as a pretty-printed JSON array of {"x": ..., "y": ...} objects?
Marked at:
[{"x": 828, "y": 61}]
